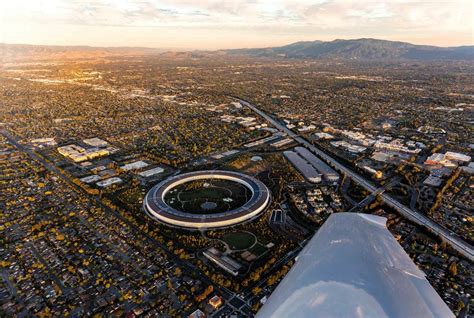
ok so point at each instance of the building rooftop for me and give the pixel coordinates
(134, 165)
(96, 142)
(307, 170)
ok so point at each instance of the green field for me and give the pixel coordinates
(239, 240)
(208, 196)
(258, 250)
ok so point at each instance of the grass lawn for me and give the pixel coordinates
(258, 250)
(196, 196)
(239, 240)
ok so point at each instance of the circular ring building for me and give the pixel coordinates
(157, 207)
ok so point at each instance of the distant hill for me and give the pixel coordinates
(361, 49)
(27, 52)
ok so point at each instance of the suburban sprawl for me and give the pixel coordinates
(94, 150)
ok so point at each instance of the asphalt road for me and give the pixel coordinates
(451, 238)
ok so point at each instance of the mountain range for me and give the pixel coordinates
(357, 49)
(360, 49)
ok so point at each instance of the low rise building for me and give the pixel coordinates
(134, 165)
(44, 142)
(323, 135)
(281, 143)
(151, 172)
(90, 179)
(198, 313)
(349, 147)
(80, 154)
(215, 302)
(329, 173)
(263, 140)
(96, 142)
(396, 145)
(225, 262)
(225, 154)
(306, 169)
(449, 159)
(108, 182)
(432, 181)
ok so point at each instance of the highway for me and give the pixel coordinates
(455, 241)
(368, 199)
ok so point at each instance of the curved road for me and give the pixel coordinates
(454, 240)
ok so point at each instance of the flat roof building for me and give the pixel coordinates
(433, 181)
(108, 182)
(215, 302)
(449, 159)
(151, 172)
(306, 169)
(283, 142)
(95, 142)
(90, 179)
(329, 173)
(456, 156)
(198, 313)
(134, 165)
(224, 262)
(323, 135)
(80, 154)
(434, 159)
(263, 140)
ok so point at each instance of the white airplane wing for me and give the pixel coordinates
(354, 267)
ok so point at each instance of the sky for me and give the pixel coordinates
(213, 24)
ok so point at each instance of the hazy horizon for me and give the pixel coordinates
(184, 49)
(210, 24)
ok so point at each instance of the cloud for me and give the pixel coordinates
(235, 13)
(306, 18)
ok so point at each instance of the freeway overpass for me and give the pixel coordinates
(454, 240)
(368, 199)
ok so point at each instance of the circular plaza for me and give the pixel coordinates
(207, 199)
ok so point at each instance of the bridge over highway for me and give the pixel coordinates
(371, 197)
